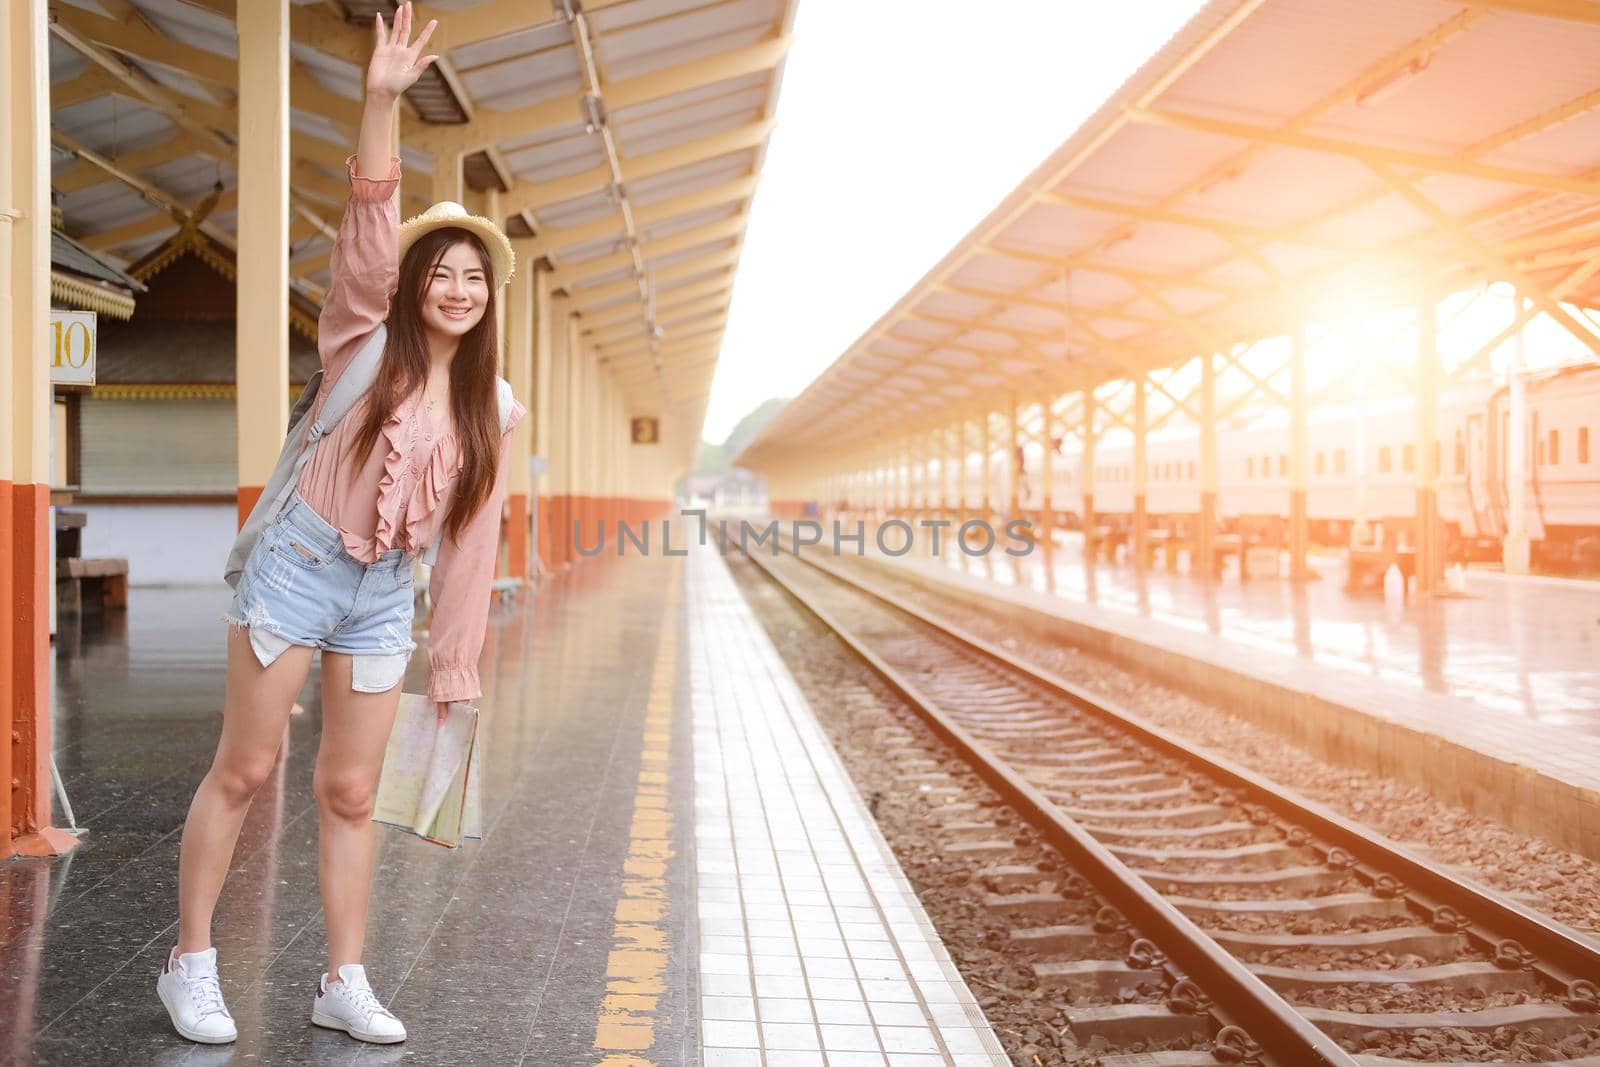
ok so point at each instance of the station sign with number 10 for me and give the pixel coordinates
(72, 347)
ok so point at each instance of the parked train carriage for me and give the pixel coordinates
(1563, 493)
(1362, 463)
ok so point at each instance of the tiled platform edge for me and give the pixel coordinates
(814, 948)
(1539, 780)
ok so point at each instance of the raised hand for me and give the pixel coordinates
(397, 61)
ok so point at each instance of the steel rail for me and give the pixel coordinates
(1565, 954)
(1238, 996)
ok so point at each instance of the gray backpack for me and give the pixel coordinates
(302, 440)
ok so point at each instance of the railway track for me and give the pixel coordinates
(1258, 926)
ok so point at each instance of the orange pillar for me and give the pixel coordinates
(25, 420)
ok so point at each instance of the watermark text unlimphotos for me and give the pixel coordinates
(894, 537)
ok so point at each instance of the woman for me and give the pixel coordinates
(422, 456)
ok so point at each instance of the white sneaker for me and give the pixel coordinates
(350, 1005)
(188, 986)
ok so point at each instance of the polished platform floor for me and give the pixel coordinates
(675, 868)
(1529, 646)
(1512, 667)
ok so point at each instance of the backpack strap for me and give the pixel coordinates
(352, 385)
(507, 401)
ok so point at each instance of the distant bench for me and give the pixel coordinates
(95, 584)
(1365, 566)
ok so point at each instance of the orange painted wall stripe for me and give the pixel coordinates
(248, 495)
(517, 535)
(8, 558)
(30, 659)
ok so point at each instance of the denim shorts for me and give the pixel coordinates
(300, 587)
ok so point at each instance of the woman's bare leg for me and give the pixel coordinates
(255, 708)
(355, 731)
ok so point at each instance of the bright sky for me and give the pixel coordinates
(901, 123)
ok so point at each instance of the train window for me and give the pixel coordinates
(1385, 460)
(1583, 444)
(1555, 447)
(1191, 470)
(1338, 461)
(1322, 462)
(1249, 466)
(1408, 458)
(1461, 455)
(1283, 465)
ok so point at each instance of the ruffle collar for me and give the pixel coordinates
(421, 491)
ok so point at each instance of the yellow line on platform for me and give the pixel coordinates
(640, 944)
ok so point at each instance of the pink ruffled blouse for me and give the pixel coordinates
(400, 496)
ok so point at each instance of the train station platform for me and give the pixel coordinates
(675, 870)
(1490, 699)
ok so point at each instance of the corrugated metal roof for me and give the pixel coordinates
(1271, 145)
(688, 89)
(67, 254)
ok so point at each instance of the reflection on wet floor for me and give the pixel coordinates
(1529, 646)
(519, 925)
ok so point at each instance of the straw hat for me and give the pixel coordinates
(447, 214)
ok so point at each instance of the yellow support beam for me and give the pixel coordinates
(493, 127)
(551, 242)
(600, 295)
(1584, 11)
(721, 230)
(262, 345)
(1369, 153)
(531, 196)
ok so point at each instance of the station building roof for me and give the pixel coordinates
(1273, 157)
(623, 138)
(81, 279)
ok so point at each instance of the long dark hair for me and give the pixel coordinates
(474, 404)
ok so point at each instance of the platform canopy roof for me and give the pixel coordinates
(622, 138)
(1274, 157)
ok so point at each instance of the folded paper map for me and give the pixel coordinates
(430, 775)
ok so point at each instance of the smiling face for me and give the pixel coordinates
(456, 293)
